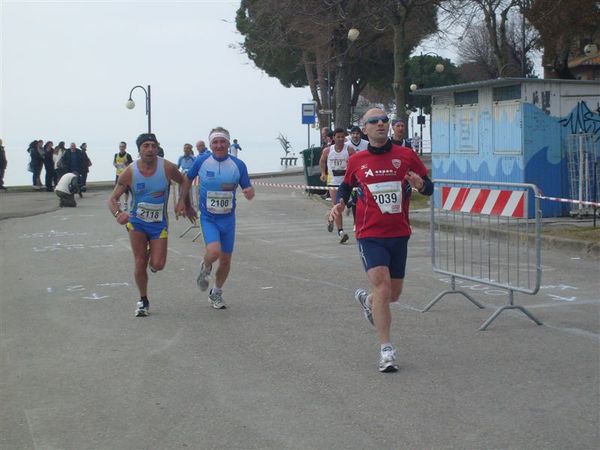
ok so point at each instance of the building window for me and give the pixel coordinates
(466, 98)
(507, 93)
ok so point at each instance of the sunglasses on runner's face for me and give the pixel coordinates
(374, 120)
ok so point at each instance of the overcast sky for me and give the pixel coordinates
(67, 68)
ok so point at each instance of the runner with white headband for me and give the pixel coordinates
(220, 174)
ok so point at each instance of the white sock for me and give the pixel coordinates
(368, 302)
(387, 346)
(216, 290)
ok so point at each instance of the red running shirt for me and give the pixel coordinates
(382, 207)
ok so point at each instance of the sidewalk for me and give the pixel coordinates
(21, 202)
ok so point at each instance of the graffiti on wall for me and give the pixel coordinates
(544, 102)
(583, 120)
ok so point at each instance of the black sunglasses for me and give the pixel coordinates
(374, 120)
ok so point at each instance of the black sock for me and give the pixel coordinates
(144, 300)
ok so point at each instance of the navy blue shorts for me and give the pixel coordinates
(388, 252)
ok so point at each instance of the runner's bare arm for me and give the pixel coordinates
(323, 164)
(183, 207)
(123, 184)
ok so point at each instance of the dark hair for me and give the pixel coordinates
(124, 143)
(61, 144)
(330, 134)
(339, 130)
(82, 144)
(355, 129)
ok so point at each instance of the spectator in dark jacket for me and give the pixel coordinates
(49, 165)
(85, 168)
(72, 161)
(36, 153)
(3, 164)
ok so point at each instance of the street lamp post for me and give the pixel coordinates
(439, 68)
(130, 104)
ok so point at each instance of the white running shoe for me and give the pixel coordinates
(387, 360)
(361, 297)
(216, 300)
(143, 308)
(203, 276)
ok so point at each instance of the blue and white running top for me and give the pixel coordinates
(185, 162)
(149, 196)
(219, 178)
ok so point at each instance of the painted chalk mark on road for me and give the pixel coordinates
(93, 295)
(498, 292)
(68, 247)
(563, 299)
(475, 287)
(560, 287)
(51, 234)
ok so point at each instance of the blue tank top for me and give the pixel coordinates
(149, 194)
(218, 181)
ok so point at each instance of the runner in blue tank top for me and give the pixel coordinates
(220, 174)
(148, 179)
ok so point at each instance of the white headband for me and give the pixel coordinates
(217, 134)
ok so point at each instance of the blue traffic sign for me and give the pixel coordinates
(309, 113)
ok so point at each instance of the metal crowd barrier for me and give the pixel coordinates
(487, 233)
(194, 200)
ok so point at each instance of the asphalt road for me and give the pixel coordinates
(291, 363)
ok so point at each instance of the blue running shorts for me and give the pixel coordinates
(388, 252)
(152, 230)
(219, 229)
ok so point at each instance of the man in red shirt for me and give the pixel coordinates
(384, 176)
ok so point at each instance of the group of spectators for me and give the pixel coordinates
(57, 161)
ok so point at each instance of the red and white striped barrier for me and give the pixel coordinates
(289, 186)
(568, 200)
(493, 202)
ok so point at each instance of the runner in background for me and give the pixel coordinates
(121, 160)
(333, 168)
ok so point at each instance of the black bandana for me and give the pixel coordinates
(144, 137)
(380, 150)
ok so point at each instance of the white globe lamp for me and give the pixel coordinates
(353, 34)
(439, 68)
(130, 104)
(591, 50)
(413, 87)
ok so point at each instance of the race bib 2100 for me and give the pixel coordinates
(219, 202)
